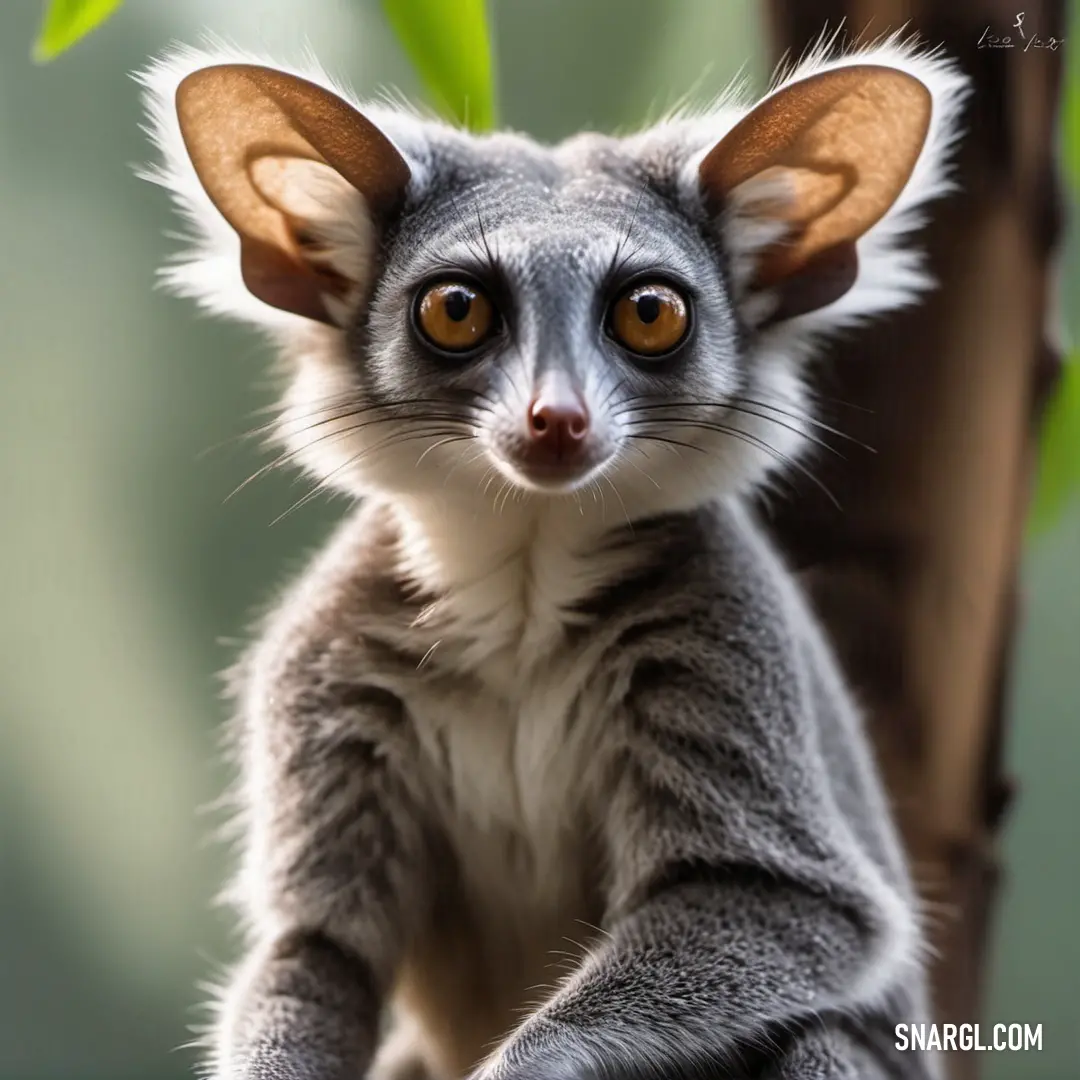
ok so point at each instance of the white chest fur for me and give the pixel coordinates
(513, 742)
(516, 770)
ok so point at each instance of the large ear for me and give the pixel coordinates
(813, 167)
(275, 153)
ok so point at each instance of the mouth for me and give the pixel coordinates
(549, 476)
(554, 479)
(556, 449)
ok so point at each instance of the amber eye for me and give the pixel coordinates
(650, 319)
(455, 316)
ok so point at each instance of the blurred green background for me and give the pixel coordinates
(126, 578)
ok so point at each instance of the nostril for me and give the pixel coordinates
(569, 421)
(558, 426)
(578, 425)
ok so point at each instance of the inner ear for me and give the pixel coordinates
(822, 160)
(286, 162)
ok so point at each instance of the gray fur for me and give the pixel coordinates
(569, 784)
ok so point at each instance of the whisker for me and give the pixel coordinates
(319, 406)
(263, 429)
(619, 457)
(672, 446)
(760, 416)
(398, 438)
(735, 405)
(498, 495)
(466, 461)
(404, 417)
(808, 419)
(442, 442)
(508, 491)
(617, 264)
(469, 237)
(614, 389)
(350, 404)
(493, 263)
(777, 455)
(615, 490)
(293, 453)
(670, 442)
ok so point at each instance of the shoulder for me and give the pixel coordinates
(714, 599)
(713, 561)
(323, 623)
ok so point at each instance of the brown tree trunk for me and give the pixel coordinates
(916, 575)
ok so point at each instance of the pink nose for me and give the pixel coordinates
(558, 425)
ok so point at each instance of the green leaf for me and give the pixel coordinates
(68, 20)
(1070, 110)
(1059, 458)
(449, 43)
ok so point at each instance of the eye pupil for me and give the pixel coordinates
(454, 316)
(648, 308)
(457, 304)
(649, 320)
